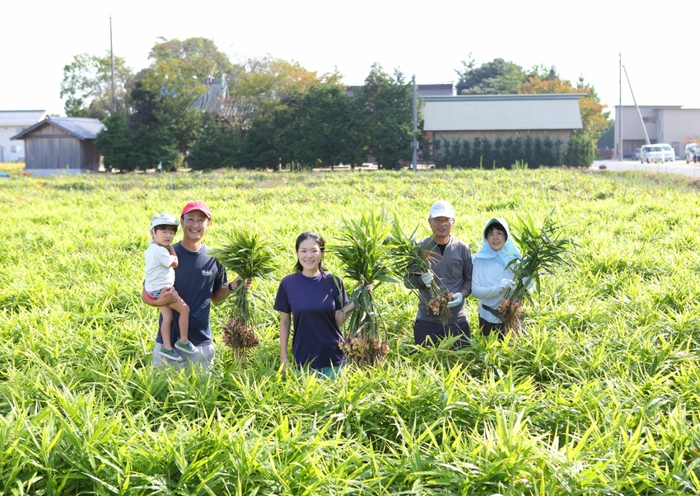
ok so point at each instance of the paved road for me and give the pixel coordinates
(677, 167)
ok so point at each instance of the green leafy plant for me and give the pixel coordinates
(248, 256)
(410, 259)
(364, 253)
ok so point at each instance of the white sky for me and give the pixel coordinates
(428, 39)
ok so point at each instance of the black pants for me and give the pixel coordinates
(424, 332)
(488, 327)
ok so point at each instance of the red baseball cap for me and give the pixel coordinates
(197, 205)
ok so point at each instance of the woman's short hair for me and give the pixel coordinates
(321, 244)
(493, 227)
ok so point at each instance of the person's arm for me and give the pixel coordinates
(222, 293)
(482, 289)
(173, 260)
(342, 315)
(285, 326)
(485, 292)
(467, 269)
(167, 296)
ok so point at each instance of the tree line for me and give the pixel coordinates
(481, 153)
(193, 104)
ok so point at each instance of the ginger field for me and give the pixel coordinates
(601, 395)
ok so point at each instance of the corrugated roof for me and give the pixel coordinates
(81, 127)
(16, 118)
(502, 112)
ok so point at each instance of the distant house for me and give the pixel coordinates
(61, 144)
(466, 117)
(670, 124)
(216, 99)
(11, 123)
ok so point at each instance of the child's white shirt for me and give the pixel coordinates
(159, 273)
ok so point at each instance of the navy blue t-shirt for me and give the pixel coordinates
(197, 276)
(313, 301)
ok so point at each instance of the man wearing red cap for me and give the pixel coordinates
(199, 280)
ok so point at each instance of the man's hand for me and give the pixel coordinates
(237, 282)
(457, 299)
(427, 278)
(167, 297)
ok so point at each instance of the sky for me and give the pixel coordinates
(429, 40)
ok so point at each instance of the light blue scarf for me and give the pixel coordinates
(506, 254)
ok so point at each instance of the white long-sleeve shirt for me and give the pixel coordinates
(486, 276)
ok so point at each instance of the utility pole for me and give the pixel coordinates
(619, 117)
(414, 163)
(111, 51)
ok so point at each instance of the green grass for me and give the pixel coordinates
(11, 166)
(601, 396)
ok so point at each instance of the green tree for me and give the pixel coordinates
(87, 86)
(594, 119)
(114, 143)
(263, 83)
(260, 146)
(496, 77)
(152, 146)
(323, 128)
(607, 139)
(164, 93)
(580, 151)
(387, 120)
(217, 145)
(183, 67)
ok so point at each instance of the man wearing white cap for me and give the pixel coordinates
(451, 268)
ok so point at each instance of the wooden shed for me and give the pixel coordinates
(61, 145)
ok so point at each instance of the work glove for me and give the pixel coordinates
(505, 285)
(427, 278)
(457, 300)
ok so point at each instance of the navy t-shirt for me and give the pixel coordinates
(197, 276)
(313, 301)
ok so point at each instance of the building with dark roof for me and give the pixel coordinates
(61, 145)
(11, 123)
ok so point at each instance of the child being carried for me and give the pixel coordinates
(161, 261)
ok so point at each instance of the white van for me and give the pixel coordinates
(660, 152)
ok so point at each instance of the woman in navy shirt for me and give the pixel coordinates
(317, 303)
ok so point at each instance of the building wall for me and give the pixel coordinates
(563, 135)
(11, 150)
(671, 124)
(51, 148)
(675, 127)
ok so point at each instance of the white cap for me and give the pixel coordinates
(441, 208)
(163, 220)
